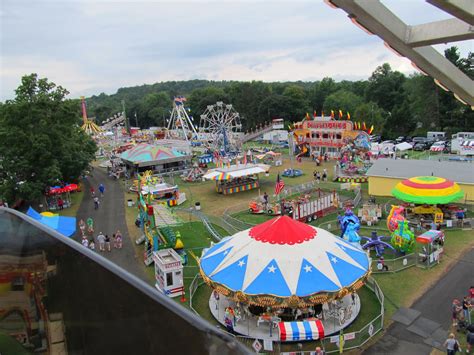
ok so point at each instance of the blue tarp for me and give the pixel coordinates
(64, 225)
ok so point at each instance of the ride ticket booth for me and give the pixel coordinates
(168, 272)
(429, 248)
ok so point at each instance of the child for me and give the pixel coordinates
(91, 244)
(85, 242)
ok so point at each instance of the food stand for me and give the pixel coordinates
(236, 178)
(429, 248)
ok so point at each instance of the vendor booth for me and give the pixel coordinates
(429, 248)
(236, 178)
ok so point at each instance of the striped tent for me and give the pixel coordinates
(304, 330)
(430, 190)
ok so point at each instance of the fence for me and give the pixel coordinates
(330, 344)
(394, 265)
(357, 339)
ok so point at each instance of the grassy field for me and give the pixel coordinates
(213, 203)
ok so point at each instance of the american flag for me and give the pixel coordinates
(280, 184)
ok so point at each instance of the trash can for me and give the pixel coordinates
(198, 206)
(130, 203)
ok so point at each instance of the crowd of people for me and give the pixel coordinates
(461, 323)
(102, 242)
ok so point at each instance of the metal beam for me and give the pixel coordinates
(437, 32)
(462, 9)
(378, 19)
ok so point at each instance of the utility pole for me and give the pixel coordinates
(127, 124)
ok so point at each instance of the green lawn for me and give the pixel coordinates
(76, 199)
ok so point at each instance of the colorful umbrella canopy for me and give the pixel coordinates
(284, 258)
(62, 189)
(430, 190)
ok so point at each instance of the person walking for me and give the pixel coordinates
(466, 304)
(85, 242)
(60, 204)
(101, 240)
(265, 200)
(91, 244)
(118, 239)
(96, 203)
(452, 345)
(101, 190)
(92, 190)
(455, 308)
(318, 177)
(82, 226)
(325, 175)
(107, 242)
(90, 225)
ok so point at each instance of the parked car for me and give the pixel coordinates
(402, 139)
(388, 142)
(438, 146)
(421, 145)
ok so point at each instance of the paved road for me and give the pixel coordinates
(434, 305)
(108, 218)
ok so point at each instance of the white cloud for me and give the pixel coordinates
(101, 45)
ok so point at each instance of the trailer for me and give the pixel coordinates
(313, 209)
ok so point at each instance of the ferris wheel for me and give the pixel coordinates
(221, 123)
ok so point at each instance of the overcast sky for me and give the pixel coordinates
(98, 46)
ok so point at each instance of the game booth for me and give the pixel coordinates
(429, 247)
(284, 280)
(236, 178)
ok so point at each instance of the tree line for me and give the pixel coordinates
(394, 103)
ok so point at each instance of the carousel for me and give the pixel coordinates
(428, 198)
(284, 280)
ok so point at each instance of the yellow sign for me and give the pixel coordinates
(438, 218)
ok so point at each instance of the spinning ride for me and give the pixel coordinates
(427, 192)
(220, 123)
(284, 266)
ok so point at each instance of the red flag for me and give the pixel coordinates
(314, 114)
(340, 114)
(307, 116)
(280, 184)
(332, 114)
(348, 116)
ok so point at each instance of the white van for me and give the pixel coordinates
(458, 138)
(436, 136)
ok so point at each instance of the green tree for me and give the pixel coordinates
(343, 100)
(320, 91)
(297, 99)
(385, 87)
(371, 114)
(41, 142)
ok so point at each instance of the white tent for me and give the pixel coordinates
(403, 146)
